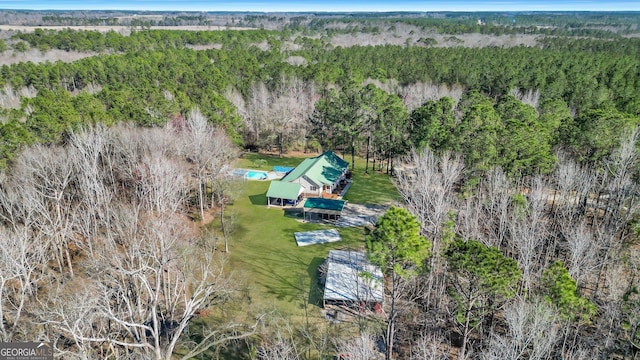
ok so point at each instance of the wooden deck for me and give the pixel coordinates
(337, 193)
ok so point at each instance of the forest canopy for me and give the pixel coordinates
(152, 76)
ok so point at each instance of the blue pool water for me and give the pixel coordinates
(250, 174)
(256, 175)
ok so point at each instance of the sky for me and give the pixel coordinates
(325, 6)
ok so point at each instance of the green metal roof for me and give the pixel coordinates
(324, 204)
(284, 190)
(324, 169)
(300, 170)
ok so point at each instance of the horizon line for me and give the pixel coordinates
(328, 11)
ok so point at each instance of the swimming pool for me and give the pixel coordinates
(256, 175)
(251, 174)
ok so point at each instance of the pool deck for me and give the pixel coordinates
(272, 175)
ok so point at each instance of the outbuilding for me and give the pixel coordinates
(351, 280)
(325, 209)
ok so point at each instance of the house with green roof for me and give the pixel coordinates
(319, 174)
(312, 178)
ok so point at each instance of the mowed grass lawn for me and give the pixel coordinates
(280, 275)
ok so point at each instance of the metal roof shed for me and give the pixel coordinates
(351, 278)
(323, 207)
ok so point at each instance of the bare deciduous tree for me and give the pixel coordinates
(105, 208)
(428, 347)
(162, 185)
(278, 115)
(22, 263)
(427, 183)
(45, 175)
(197, 141)
(498, 196)
(290, 106)
(362, 347)
(469, 220)
(225, 191)
(279, 342)
(531, 332)
(414, 95)
(257, 106)
(583, 252)
(148, 286)
(528, 232)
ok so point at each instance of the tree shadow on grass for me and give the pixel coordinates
(258, 199)
(285, 286)
(315, 289)
(289, 287)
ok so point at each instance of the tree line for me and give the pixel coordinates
(582, 88)
(81, 40)
(558, 24)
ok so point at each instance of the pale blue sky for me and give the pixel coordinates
(333, 5)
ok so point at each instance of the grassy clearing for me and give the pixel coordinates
(372, 188)
(280, 275)
(249, 160)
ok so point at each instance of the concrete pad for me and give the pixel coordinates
(317, 237)
(360, 215)
(356, 220)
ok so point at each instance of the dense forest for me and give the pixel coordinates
(152, 77)
(518, 167)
